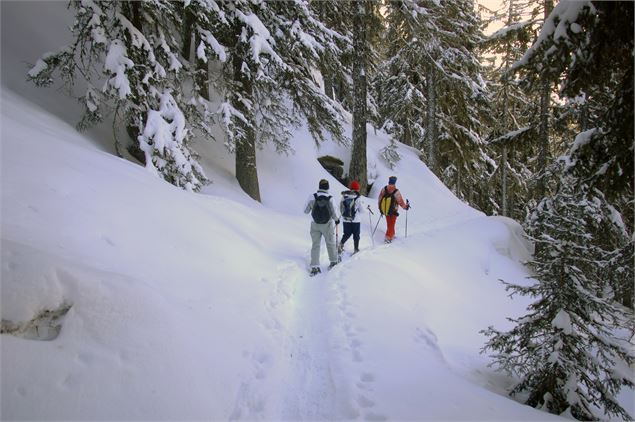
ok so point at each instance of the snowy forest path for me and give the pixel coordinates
(323, 352)
(309, 393)
(298, 376)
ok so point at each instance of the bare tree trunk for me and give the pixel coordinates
(246, 170)
(358, 167)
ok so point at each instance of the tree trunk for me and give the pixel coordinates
(543, 136)
(246, 171)
(202, 73)
(328, 81)
(358, 167)
(186, 33)
(511, 194)
(506, 113)
(132, 11)
(544, 122)
(504, 182)
(584, 116)
(407, 134)
(431, 129)
(458, 182)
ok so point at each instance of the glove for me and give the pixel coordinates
(337, 222)
(408, 207)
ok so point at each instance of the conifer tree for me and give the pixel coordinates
(272, 50)
(564, 350)
(335, 65)
(513, 134)
(585, 45)
(131, 45)
(432, 49)
(401, 78)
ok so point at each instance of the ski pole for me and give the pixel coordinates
(337, 243)
(378, 220)
(407, 208)
(370, 224)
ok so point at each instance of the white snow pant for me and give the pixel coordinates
(328, 231)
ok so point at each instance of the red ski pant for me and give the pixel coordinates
(390, 226)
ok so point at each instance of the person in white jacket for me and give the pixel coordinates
(325, 218)
(351, 208)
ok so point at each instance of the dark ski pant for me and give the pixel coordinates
(351, 229)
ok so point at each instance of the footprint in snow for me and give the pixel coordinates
(375, 417)
(367, 377)
(365, 402)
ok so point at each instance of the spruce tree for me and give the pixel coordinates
(458, 101)
(132, 46)
(585, 46)
(513, 133)
(564, 351)
(432, 92)
(272, 49)
(335, 64)
(400, 79)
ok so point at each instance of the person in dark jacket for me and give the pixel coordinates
(350, 209)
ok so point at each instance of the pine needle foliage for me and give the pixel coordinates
(565, 350)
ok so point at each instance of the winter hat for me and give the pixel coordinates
(392, 180)
(355, 185)
(324, 184)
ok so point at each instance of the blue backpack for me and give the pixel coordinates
(349, 210)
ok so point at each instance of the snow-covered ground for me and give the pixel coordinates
(199, 306)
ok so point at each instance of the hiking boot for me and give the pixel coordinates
(332, 264)
(387, 240)
(315, 271)
(340, 248)
(355, 251)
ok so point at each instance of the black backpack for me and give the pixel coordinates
(321, 213)
(349, 210)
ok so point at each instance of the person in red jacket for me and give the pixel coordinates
(390, 207)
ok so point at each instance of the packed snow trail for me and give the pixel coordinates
(305, 383)
(310, 391)
(314, 367)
